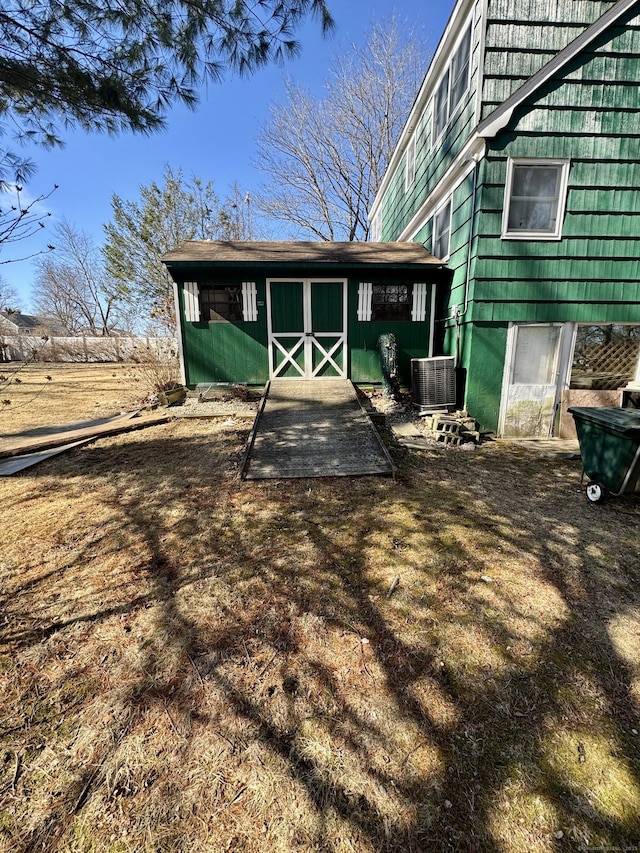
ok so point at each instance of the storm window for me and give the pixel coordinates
(535, 196)
(453, 85)
(442, 232)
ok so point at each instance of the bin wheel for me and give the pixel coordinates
(596, 492)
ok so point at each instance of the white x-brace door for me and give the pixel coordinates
(307, 328)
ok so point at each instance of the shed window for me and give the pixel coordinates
(535, 196)
(391, 302)
(219, 302)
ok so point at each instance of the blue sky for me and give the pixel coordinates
(217, 142)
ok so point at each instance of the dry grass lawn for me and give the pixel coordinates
(193, 663)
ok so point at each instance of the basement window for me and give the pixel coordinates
(535, 198)
(220, 303)
(391, 302)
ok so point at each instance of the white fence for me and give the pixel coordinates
(83, 349)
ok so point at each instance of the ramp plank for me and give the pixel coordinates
(314, 428)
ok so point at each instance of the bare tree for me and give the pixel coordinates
(8, 296)
(73, 288)
(234, 217)
(19, 220)
(325, 157)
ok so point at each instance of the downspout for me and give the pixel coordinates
(456, 314)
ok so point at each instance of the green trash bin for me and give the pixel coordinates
(610, 450)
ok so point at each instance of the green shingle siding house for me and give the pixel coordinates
(519, 166)
(252, 311)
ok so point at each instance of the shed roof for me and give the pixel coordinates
(301, 253)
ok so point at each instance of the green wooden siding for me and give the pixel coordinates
(412, 339)
(327, 306)
(483, 353)
(225, 351)
(287, 306)
(593, 272)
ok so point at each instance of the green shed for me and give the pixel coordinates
(252, 311)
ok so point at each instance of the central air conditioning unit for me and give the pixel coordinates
(433, 384)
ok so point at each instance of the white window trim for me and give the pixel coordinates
(556, 234)
(410, 164)
(448, 69)
(375, 228)
(449, 203)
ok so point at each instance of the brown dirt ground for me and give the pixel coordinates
(189, 662)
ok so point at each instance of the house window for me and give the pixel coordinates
(535, 198)
(454, 84)
(410, 168)
(441, 106)
(219, 302)
(423, 129)
(391, 302)
(442, 232)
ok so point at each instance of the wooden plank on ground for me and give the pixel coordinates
(123, 423)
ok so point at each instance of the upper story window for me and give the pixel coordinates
(442, 232)
(454, 83)
(410, 166)
(422, 133)
(535, 199)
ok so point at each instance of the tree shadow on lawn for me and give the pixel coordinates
(485, 705)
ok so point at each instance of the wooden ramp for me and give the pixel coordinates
(313, 428)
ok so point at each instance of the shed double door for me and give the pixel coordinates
(307, 326)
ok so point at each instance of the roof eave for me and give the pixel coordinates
(497, 120)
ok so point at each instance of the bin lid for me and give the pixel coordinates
(624, 421)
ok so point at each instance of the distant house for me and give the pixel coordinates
(16, 323)
(253, 311)
(518, 166)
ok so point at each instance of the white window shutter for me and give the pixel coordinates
(191, 303)
(419, 309)
(365, 290)
(249, 302)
